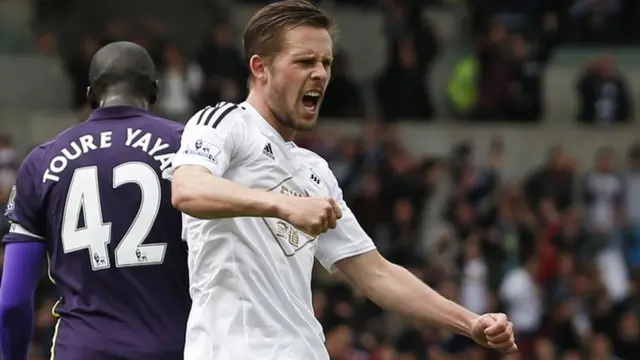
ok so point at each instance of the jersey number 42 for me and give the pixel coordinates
(83, 197)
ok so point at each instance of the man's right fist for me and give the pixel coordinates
(312, 215)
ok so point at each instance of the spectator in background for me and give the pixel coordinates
(181, 82)
(222, 65)
(554, 179)
(156, 40)
(523, 301)
(47, 13)
(627, 339)
(8, 164)
(596, 21)
(342, 96)
(545, 349)
(77, 66)
(475, 185)
(519, 16)
(401, 89)
(413, 45)
(603, 195)
(4, 223)
(366, 205)
(513, 230)
(571, 236)
(346, 164)
(8, 173)
(441, 249)
(339, 343)
(372, 143)
(474, 284)
(44, 331)
(603, 94)
(46, 44)
(116, 30)
(600, 348)
(403, 237)
(494, 60)
(528, 64)
(7, 152)
(632, 206)
(404, 20)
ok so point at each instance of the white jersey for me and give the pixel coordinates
(251, 277)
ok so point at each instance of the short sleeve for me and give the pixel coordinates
(347, 239)
(24, 208)
(210, 139)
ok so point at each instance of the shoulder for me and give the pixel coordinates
(167, 124)
(319, 166)
(313, 159)
(39, 154)
(35, 161)
(167, 130)
(220, 115)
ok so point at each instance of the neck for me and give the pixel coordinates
(261, 106)
(112, 98)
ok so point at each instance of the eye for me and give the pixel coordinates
(306, 62)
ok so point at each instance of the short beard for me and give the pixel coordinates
(287, 120)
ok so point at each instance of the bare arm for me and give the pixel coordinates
(199, 193)
(396, 289)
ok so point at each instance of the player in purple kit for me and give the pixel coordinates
(93, 201)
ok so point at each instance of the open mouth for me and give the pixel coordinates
(310, 100)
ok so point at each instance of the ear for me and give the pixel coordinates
(153, 95)
(258, 67)
(91, 98)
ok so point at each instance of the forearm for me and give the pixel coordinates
(22, 269)
(205, 196)
(397, 290)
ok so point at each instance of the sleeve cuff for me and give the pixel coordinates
(330, 264)
(17, 233)
(177, 162)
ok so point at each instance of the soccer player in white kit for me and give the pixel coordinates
(259, 210)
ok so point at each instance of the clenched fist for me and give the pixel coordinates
(494, 331)
(312, 215)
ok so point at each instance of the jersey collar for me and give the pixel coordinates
(264, 125)
(117, 112)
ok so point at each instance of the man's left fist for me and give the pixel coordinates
(494, 331)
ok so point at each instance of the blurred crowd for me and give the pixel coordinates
(216, 70)
(558, 250)
(499, 77)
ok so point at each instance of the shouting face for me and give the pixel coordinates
(295, 79)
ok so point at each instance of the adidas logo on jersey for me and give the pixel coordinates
(268, 152)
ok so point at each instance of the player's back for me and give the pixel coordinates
(113, 237)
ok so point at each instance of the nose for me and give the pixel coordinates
(320, 73)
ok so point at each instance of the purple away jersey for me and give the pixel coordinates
(95, 196)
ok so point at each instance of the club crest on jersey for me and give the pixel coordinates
(289, 239)
(316, 179)
(204, 149)
(11, 202)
